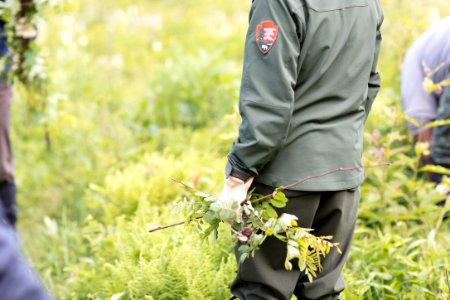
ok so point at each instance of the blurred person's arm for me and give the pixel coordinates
(17, 281)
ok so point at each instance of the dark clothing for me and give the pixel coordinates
(330, 213)
(308, 84)
(8, 200)
(3, 37)
(17, 281)
(6, 159)
(440, 140)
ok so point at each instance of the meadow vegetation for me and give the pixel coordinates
(145, 91)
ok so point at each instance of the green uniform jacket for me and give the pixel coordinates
(308, 84)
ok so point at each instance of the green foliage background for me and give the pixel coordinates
(145, 91)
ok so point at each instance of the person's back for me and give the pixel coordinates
(317, 82)
(308, 84)
(336, 58)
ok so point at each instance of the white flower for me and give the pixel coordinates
(287, 220)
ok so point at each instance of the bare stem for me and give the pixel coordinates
(190, 188)
(159, 228)
(318, 176)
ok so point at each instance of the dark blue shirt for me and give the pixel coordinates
(3, 38)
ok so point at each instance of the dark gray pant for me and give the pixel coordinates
(328, 213)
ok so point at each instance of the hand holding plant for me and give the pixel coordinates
(253, 222)
(255, 219)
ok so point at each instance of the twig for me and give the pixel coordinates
(158, 228)
(318, 176)
(183, 184)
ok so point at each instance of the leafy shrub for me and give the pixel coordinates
(191, 91)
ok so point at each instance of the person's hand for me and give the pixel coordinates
(234, 190)
(424, 137)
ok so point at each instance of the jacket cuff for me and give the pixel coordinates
(236, 172)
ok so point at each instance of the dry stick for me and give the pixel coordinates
(171, 225)
(183, 184)
(158, 228)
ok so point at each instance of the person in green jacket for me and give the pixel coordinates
(308, 84)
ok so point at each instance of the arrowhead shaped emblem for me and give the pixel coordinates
(266, 35)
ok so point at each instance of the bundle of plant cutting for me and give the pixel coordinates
(257, 219)
(253, 222)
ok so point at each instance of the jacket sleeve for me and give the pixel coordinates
(374, 80)
(267, 88)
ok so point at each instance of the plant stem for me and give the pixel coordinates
(320, 175)
(162, 227)
(442, 215)
(190, 188)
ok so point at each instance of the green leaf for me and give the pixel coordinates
(435, 169)
(202, 195)
(227, 215)
(410, 120)
(209, 230)
(437, 123)
(288, 265)
(244, 249)
(117, 296)
(215, 207)
(210, 217)
(215, 234)
(279, 200)
(269, 212)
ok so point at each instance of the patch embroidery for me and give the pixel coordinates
(266, 35)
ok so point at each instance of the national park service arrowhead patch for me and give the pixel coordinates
(266, 35)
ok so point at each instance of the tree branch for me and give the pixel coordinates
(318, 176)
